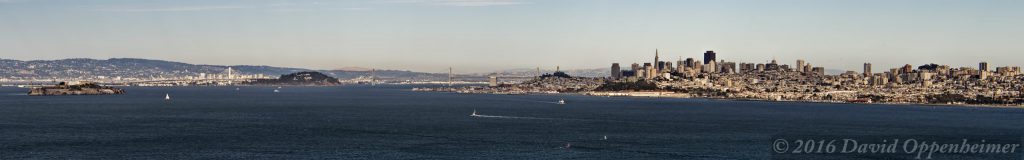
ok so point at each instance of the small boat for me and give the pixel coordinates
(275, 91)
(605, 138)
(238, 89)
(561, 101)
(568, 145)
(474, 114)
(167, 97)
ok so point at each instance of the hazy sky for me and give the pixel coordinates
(487, 35)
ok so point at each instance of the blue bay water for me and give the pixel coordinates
(392, 122)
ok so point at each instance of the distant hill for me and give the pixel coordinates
(145, 68)
(124, 67)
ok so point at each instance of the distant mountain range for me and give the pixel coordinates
(145, 68)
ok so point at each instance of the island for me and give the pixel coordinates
(77, 88)
(307, 78)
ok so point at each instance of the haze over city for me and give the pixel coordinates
(488, 35)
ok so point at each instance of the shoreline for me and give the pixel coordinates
(763, 100)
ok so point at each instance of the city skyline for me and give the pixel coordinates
(490, 35)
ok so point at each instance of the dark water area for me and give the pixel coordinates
(392, 122)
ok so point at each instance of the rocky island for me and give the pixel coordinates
(79, 88)
(308, 78)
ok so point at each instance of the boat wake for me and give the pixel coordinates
(511, 117)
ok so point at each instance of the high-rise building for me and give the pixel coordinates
(493, 81)
(906, 69)
(690, 63)
(681, 65)
(983, 66)
(668, 67)
(657, 65)
(616, 71)
(808, 67)
(660, 67)
(867, 69)
(799, 65)
(772, 66)
(709, 57)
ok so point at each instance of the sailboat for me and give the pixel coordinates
(605, 138)
(275, 91)
(474, 114)
(561, 101)
(167, 97)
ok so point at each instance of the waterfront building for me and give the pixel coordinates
(493, 82)
(616, 71)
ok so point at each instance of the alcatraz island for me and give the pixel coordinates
(713, 78)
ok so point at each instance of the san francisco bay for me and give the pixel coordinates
(392, 122)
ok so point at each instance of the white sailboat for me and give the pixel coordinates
(474, 114)
(561, 101)
(167, 97)
(605, 138)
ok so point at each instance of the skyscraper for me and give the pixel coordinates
(709, 57)
(983, 66)
(680, 65)
(616, 71)
(799, 65)
(867, 69)
(656, 60)
(690, 63)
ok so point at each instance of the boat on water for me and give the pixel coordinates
(561, 101)
(167, 97)
(474, 114)
(275, 91)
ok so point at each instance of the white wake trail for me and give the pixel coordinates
(510, 117)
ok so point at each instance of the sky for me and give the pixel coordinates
(490, 35)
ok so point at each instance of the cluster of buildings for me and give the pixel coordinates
(659, 69)
(184, 77)
(930, 83)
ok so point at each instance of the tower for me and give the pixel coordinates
(709, 57)
(656, 60)
(616, 71)
(450, 77)
(799, 65)
(983, 66)
(867, 69)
